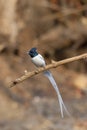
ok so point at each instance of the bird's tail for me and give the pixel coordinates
(61, 103)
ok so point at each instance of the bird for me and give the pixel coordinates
(38, 60)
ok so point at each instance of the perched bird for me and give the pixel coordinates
(39, 61)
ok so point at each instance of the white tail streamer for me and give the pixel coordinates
(61, 103)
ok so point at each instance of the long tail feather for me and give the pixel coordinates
(61, 103)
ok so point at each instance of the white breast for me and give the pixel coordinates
(38, 61)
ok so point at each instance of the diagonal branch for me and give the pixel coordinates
(54, 64)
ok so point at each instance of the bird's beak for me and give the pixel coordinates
(27, 52)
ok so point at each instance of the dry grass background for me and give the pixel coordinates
(58, 28)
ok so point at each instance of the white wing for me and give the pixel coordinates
(41, 57)
(38, 61)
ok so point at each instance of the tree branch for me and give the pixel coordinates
(54, 64)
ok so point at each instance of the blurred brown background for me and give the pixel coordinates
(58, 28)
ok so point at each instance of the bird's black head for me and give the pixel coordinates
(33, 52)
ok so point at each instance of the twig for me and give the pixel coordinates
(54, 64)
